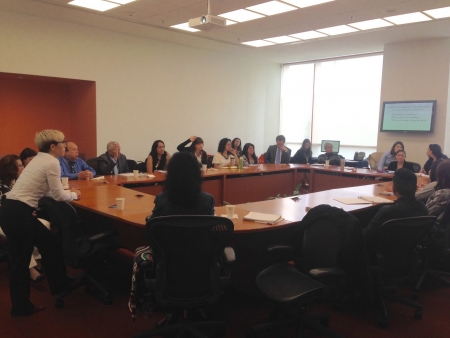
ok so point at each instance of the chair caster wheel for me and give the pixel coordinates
(415, 296)
(59, 303)
(418, 314)
(108, 300)
(383, 323)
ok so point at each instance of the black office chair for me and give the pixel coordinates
(416, 167)
(132, 165)
(434, 250)
(92, 162)
(189, 268)
(397, 259)
(209, 161)
(79, 251)
(142, 167)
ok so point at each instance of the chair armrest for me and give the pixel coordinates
(228, 256)
(326, 272)
(102, 236)
(279, 253)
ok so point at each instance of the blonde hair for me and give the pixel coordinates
(46, 138)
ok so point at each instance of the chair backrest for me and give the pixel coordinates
(416, 166)
(142, 167)
(261, 159)
(132, 165)
(187, 251)
(92, 162)
(397, 240)
(374, 158)
(209, 161)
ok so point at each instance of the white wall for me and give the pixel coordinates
(418, 70)
(147, 89)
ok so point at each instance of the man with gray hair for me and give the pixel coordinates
(112, 162)
(333, 157)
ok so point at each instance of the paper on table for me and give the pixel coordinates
(363, 200)
(151, 176)
(98, 178)
(260, 217)
(126, 174)
(161, 171)
(234, 216)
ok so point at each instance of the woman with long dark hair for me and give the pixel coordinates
(196, 148)
(236, 145)
(389, 156)
(248, 154)
(435, 156)
(400, 162)
(225, 155)
(158, 159)
(304, 154)
(439, 201)
(183, 193)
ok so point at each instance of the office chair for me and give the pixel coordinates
(435, 249)
(142, 167)
(132, 165)
(79, 251)
(416, 167)
(209, 161)
(92, 162)
(190, 265)
(397, 259)
(261, 159)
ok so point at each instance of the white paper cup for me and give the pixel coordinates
(65, 182)
(135, 173)
(120, 202)
(230, 211)
(204, 168)
(327, 163)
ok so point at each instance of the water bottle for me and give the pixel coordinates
(241, 163)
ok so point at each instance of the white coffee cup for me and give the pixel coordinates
(135, 173)
(120, 202)
(204, 168)
(327, 163)
(230, 211)
(65, 182)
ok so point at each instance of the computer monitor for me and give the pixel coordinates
(336, 145)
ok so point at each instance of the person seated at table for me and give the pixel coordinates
(248, 154)
(404, 187)
(435, 156)
(225, 156)
(10, 169)
(183, 193)
(196, 148)
(278, 153)
(236, 145)
(27, 155)
(400, 162)
(389, 156)
(334, 158)
(304, 154)
(424, 192)
(439, 201)
(42, 176)
(158, 159)
(113, 162)
(74, 167)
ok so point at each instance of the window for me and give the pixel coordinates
(332, 100)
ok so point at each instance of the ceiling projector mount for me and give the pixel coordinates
(208, 21)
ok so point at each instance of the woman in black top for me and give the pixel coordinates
(158, 159)
(196, 148)
(236, 145)
(248, 154)
(400, 163)
(435, 156)
(304, 154)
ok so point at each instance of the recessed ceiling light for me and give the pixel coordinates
(185, 27)
(122, 2)
(258, 43)
(98, 5)
(308, 35)
(282, 39)
(439, 13)
(306, 3)
(407, 18)
(370, 24)
(336, 30)
(241, 15)
(271, 8)
(229, 22)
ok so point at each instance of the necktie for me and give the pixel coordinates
(72, 167)
(278, 156)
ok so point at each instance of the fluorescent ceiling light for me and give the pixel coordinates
(336, 30)
(271, 8)
(98, 5)
(439, 13)
(258, 43)
(308, 35)
(370, 24)
(122, 2)
(229, 22)
(407, 18)
(241, 15)
(306, 3)
(282, 39)
(185, 27)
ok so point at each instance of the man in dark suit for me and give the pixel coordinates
(278, 153)
(112, 162)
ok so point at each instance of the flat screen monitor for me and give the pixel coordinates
(336, 145)
(408, 116)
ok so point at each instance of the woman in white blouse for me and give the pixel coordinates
(42, 176)
(225, 156)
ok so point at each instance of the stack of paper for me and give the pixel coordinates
(364, 200)
(263, 218)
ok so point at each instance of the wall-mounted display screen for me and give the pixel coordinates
(408, 116)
